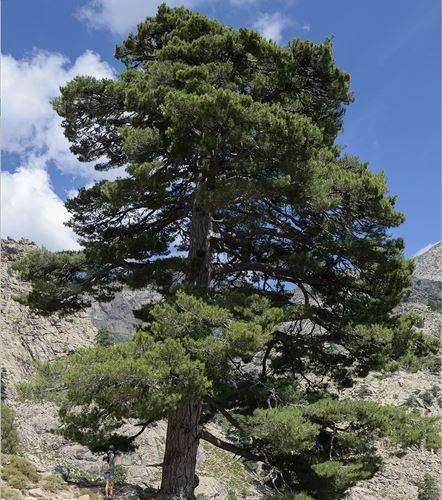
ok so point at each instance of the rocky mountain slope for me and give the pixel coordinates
(401, 475)
(26, 337)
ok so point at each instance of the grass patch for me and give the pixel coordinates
(92, 494)
(19, 473)
(11, 494)
(427, 488)
(53, 483)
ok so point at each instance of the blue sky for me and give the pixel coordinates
(390, 48)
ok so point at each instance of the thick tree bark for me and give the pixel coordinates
(199, 249)
(178, 479)
(182, 439)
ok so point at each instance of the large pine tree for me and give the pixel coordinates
(272, 251)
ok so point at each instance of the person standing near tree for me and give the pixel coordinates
(111, 462)
(108, 468)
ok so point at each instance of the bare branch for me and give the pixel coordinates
(223, 411)
(224, 445)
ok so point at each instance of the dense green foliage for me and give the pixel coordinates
(312, 438)
(235, 198)
(10, 440)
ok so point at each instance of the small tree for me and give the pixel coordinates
(228, 144)
(103, 338)
(10, 439)
(4, 384)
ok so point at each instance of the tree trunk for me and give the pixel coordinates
(199, 249)
(179, 479)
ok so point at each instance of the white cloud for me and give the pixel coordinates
(32, 131)
(120, 16)
(31, 209)
(29, 124)
(425, 249)
(271, 26)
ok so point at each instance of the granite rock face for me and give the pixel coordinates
(26, 336)
(425, 295)
(428, 265)
(117, 316)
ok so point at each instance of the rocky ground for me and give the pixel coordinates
(26, 337)
(401, 473)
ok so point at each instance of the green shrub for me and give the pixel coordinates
(3, 384)
(10, 494)
(435, 390)
(341, 475)
(434, 304)
(120, 476)
(18, 472)
(10, 439)
(103, 338)
(53, 483)
(19, 481)
(427, 488)
(432, 363)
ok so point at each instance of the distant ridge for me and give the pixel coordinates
(428, 264)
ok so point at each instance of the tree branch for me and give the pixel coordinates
(224, 445)
(143, 428)
(270, 346)
(223, 411)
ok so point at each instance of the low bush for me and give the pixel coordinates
(10, 494)
(53, 483)
(19, 481)
(9, 435)
(18, 472)
(120, 476)
(427, 488)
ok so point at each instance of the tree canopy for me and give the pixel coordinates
(272, 250)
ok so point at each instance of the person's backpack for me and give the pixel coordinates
(105, 467)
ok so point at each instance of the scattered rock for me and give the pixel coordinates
(37, 493)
